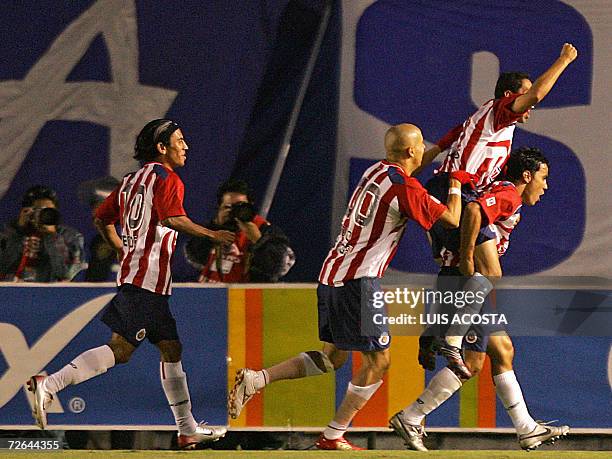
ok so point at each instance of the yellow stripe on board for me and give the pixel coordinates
(290, 327)
(236, 343)
(406, 377)
(468, 403)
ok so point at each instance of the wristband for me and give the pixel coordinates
(454, 190)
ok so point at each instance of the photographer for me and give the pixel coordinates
(103, 264)
(260, 252)
(36, 247)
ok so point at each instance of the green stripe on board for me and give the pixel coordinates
(468, 403)
(290, 327)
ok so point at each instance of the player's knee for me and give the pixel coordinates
(170, 350)
(336, 356)
(380, 362)
(316, 363)
(121, 352)
(474, 362)
(493, 273)
(503, 354)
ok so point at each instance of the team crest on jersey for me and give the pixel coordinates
(491, 201)
(141, 334)
(471, 337)
(384, 339)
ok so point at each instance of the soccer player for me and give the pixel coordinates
(486, 224)
(148, 205)
(480, 146)
(386, 197)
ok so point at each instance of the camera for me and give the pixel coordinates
(243, 211)
(43, 216)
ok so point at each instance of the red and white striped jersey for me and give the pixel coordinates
(375, 221)
(141, 201)
(482, 145)
(500, 206)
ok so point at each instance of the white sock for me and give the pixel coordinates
(90, 363)
(261, 379)
(440, 388)
(355, 399)
(334, 430)
(509, 392)
(174, 382)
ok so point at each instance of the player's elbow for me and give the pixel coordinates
(99, 224)
(172, 222)
(450, 219)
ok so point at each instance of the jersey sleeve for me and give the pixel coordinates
(449, 138)
(108, 211)
(417, 204)
(498, 205)
(168, 196)
(503, 114)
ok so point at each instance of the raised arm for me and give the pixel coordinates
(546, 81)
(444, 143)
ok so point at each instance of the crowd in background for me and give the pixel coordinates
(35, 246)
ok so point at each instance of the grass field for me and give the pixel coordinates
(447, 454)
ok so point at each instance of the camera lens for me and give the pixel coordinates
(49, 216)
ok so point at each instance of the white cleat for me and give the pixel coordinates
(541, 435)
(42, 399)
(412, 435)
(202, 434)
(242, 392)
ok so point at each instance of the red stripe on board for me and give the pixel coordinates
(254, 349)
(486, 397)
(375, 412)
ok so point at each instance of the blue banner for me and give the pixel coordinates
(44, 328)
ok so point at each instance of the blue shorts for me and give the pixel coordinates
(135, 314)
(477, 336)
(344, 323)
(442, 237)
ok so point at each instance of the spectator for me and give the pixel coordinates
(103, 263)
(36, 247)
(260, 252)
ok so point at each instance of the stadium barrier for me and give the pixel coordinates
(224, 328)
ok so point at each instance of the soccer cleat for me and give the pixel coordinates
(203, 433)
(341, 444)
(541, 435)
(42, 399)
(428, 348)
(242, 392)
(455, 360)
(412, 435)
